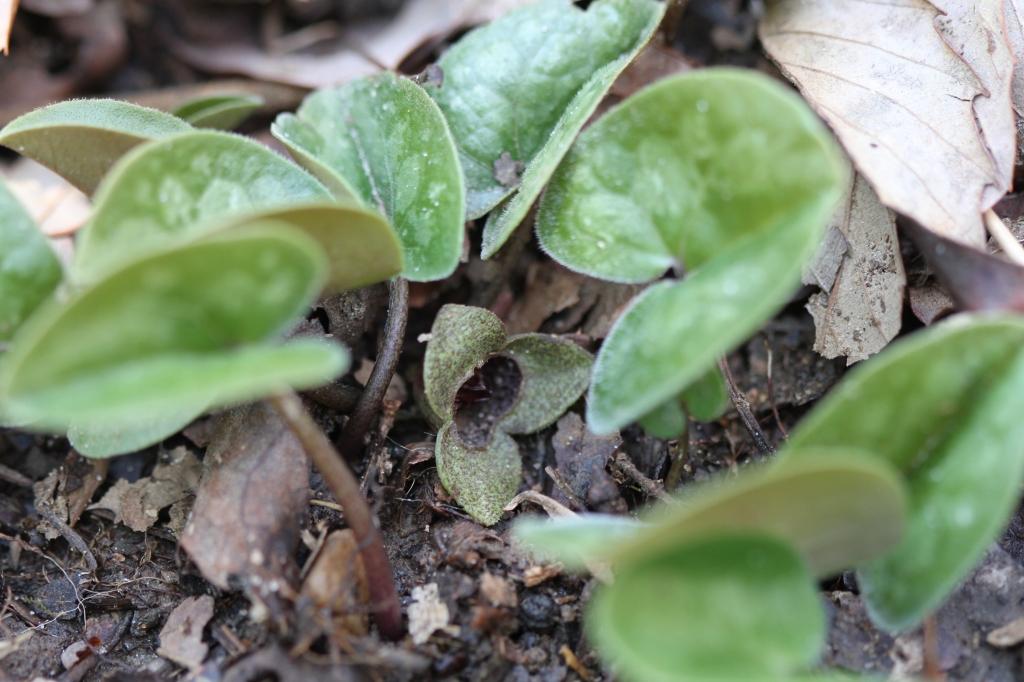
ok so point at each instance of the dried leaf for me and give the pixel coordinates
(550, 288)
(581, 458)
(337, 584)
(427, 613)
(138, 505)
(907, 107)
(862, 310)
(8, 8)
(249, 505)
(498, 591)
(1014, 10)
(181, 639)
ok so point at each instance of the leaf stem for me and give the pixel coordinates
(358, 424)
(742, 406)
(345, 488)
(1007, 242)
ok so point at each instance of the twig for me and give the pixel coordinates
(16, 477)
(563, 485)
(742, 406)
(771, 387)
(1007, 242)
(345, 488)
(932, 668)
(626, 467)
(384, 366)
(68, 533)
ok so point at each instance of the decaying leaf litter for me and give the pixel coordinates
(102, 589)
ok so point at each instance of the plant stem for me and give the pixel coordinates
(1007, 242)
(345, 488)
(742, 406)
(932, 667)
(682, 454)
(384, 366)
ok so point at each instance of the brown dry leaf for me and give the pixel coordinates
(930, 303)
(498, 591)
(337, 584)
(1014, 10)
(181, 639)
(57, 207)
(653, 63)
(550, 288)
(932, 132)
(861, 274)
(251, 500)
(581, 458)
(138, 505)
(8, 8)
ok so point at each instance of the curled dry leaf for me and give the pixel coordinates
(138, 505)
(250, 502)
(861, 274)
(181, 639)
(336, 584)
(930, 127)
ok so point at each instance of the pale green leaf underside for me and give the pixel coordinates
(944, 407)
(707, 399)
(555, 373)
(385, 141)
(482, 480)
(507, 86)
(573, 540)
(461, 340)
(172, 189)
(221, 112)
(667, 420)
(169, 327)
(93, 441)
(29, 270)
(360, 246)
(731, 607)
(837, 511)
(81, 139)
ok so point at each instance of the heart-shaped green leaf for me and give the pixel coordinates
(223, 112)
(93, 441)
(482, 480)
(81, 139)
(360, 245)
(164, 332)
(168, 190)
(384, 140)
(555, 373)
(518, 90)
(722, 171)
(726, 607)
(461, 340)
(944, 408)
(29, 270)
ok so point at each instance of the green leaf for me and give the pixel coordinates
(164, 332)
(555, 373)
(524, 85)
(172, 189)
(732, 607)
(224, 112)
(384, 140)
(482, 480)
(29, 270)
(81, 139)
(667, 420)
(360, 246)
(573, 540)
(461, 340)
(944, 408)
(707, 398)
(93, 441)
(837, 511)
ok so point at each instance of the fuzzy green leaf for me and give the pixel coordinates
(164, 332)
(81, 139)
(732, 607)
(707, 398)
(461, 340)
(29, 270)
(384, 140)
(667, 420)
(482, 480)
(171, 189)
(93, 441)
(574, 540)
(223, 112)
(944, 408)
(360, 245)
(721, 171)
(524, 85)
(555, 373)
(837, 511)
